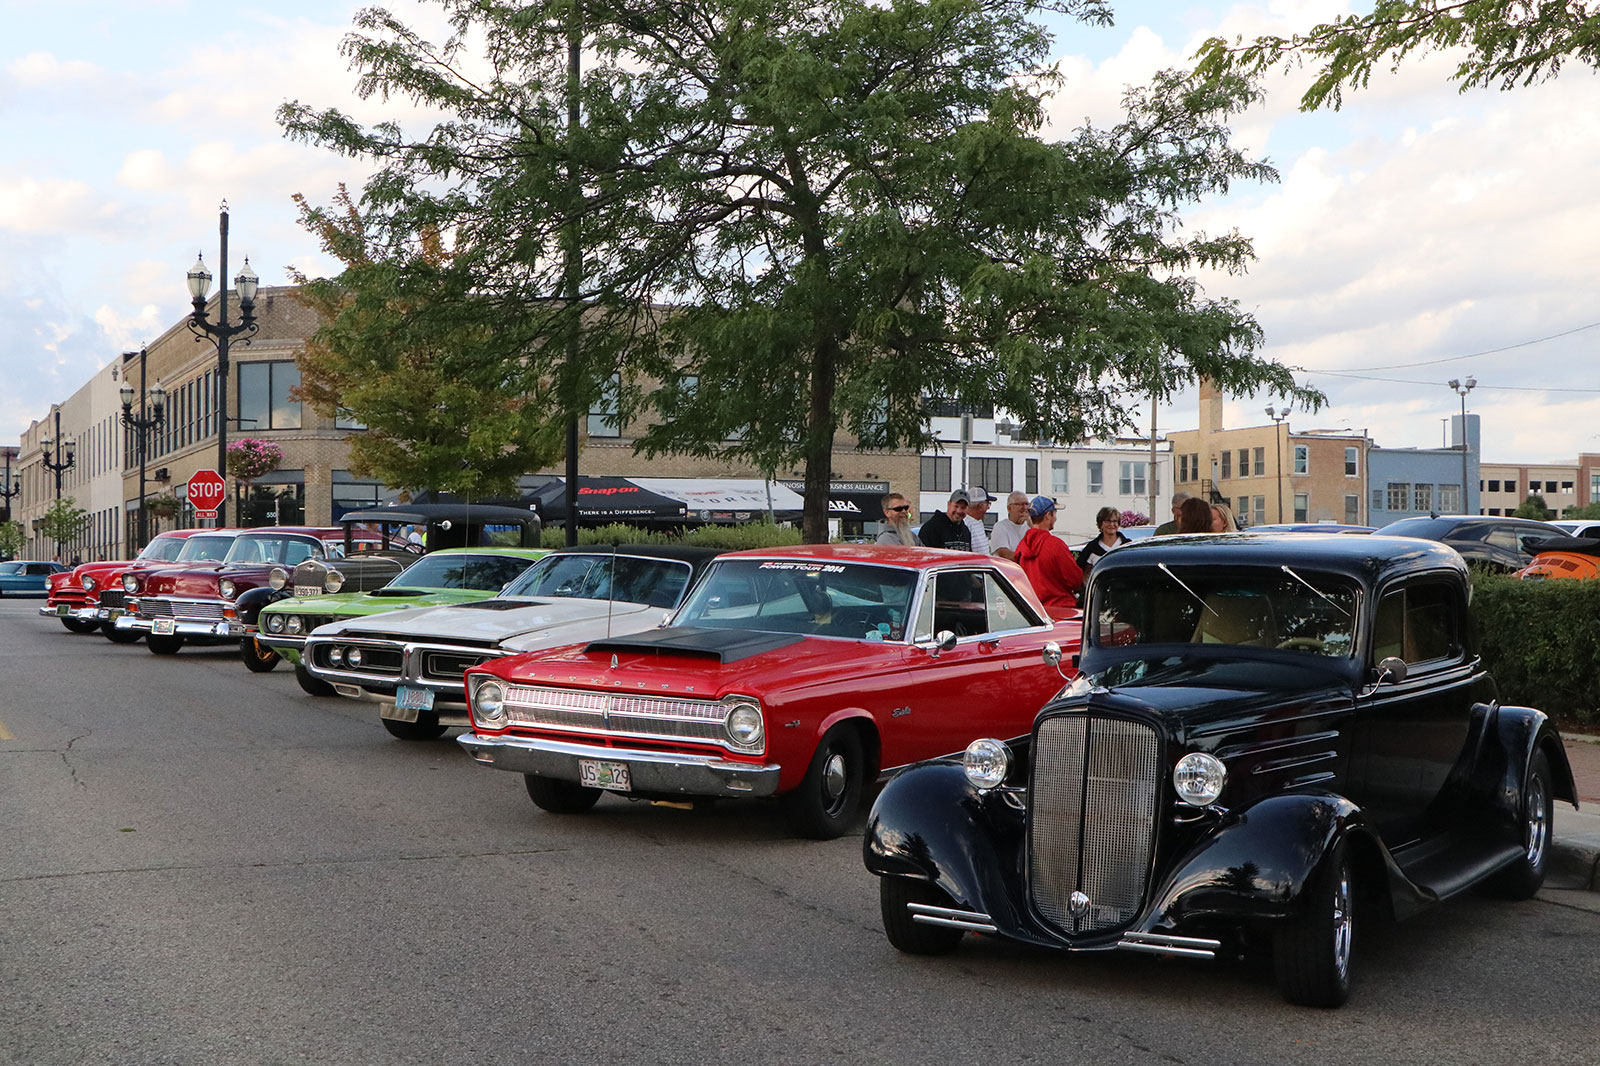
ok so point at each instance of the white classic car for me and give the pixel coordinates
(410, 662)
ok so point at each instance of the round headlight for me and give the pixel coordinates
(489, 701)
(334, 582)
(130, 583)
(294, 624)
(744, 724)
(278, 578)
(226, 587)
(986, 762)
(336, 655)
(87, 582)
(353, 657)
(272, 623)
(1199, 778)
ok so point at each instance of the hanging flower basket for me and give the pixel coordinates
(164, 506)
(249, 458)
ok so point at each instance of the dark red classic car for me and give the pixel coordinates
(90, 596)
(801, 673)
(171, 605)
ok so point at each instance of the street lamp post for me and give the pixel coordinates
(147, 419)
(1277, 440)
(1461, 388)
(59, 454)
(11, 485)
(222, 331)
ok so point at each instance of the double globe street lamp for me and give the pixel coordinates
(59, 454)
(1461, 388)
(152, 412)
(222, 331)
(11, 484)
(1277, 417)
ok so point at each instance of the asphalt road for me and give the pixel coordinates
(204, 866)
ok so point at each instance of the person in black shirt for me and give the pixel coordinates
(949, 530)
(1109, 521)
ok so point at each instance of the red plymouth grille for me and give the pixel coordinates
(616, 714)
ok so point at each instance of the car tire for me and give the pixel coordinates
(76, 625)
(914, 938)
(311, 684)
(258, 658)
(164, 645)
(560, 797)
(426, 727)
(1536, 814)
(1312, 954)
(120, 636)
(825, 802)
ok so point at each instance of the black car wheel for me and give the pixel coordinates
(258, 658)
(426, 727)
(1312, 954)
(911, 937)
(560, 797)
(163, 645)
(311, 683)
(120, 636)
(1524, 877)
(824, 803)
(77, 625)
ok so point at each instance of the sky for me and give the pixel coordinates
(1418, 234)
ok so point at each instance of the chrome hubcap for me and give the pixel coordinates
(1342, 925)
(834, 779)
(1538, 829)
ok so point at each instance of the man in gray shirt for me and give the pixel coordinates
(976, 509)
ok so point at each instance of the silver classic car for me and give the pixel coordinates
(411, 662)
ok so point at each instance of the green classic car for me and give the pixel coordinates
(438, 579)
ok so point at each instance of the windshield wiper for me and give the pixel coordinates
(1314, 588)
(1197, 597)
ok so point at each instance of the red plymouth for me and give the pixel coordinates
(799, 673)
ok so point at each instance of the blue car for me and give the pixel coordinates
(25, 577)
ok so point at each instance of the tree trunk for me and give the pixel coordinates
(819, 443)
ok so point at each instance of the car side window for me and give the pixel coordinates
(1419, 623)
(1503, 538)
(1006, 612)
(1526, 537)
(960, 603)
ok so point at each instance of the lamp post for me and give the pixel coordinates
(1461, 388)
(1277, 440)
(222, 331)
(148, 418)
(59, 454)
(11, 485)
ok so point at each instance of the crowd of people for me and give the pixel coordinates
(1025, 534)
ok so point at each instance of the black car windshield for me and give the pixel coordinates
(809, 596)
(485, 573)
(282, 548)
(164, 549)
(603, 576)
(201, 548)
(1243, 606)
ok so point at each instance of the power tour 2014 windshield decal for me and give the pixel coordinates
(810, 568)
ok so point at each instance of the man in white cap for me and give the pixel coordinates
(978, 501)
(948, 529)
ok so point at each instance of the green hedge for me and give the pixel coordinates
(1541, 641)
(752, 535)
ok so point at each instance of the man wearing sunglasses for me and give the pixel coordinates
(897, 512)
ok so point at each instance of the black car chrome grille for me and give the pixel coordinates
(186, 610)
(1096, 783)
(113, 598)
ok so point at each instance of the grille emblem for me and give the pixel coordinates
(1078, 903)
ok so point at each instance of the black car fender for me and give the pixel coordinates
(250, 602)
(1520, 733)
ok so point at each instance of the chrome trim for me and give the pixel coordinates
(631, 715)
(1188, 947)
(413, 655)
(950, 918)
(652, 771)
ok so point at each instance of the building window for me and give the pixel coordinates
(1097, 484)
(1377, 500)
(1030, 477)
(1194, 465)
(264, 401)
(1424, 497)
(992, 474)
(603, 420)
(1302, 507)
(1352, 462)
(1260, 457)
(1352, 509)
(1566, 486)
(1302, 458)
(1183, 468)
(1244, 462)
(1242, 510)
(1227, 464)
(1511, 486)
(1258, 510)
(1494, 485)
(1450, 499)
(1132, 480)
(1399, 496)
(936, 473)
(1549, 486)
(1059, 480)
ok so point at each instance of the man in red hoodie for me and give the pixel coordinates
(1046, 559)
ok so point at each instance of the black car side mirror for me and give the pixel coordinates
(1391, 671)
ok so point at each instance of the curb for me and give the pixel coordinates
(1574, 866)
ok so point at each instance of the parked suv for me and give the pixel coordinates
(1495, 543)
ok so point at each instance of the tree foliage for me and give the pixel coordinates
(1502, 43)
(802, 219)
(13, 538)
(1533, 507)
(63, 520)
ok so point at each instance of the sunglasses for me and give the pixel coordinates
(897, 510)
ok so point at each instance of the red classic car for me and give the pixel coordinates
(801, 673)
(170, 605)
(90, 596)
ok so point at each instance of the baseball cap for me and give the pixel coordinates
(959, 496)
(1040, 506)
(980, 493)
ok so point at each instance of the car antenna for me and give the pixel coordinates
(611, 590)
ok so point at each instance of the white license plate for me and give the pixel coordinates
(407, 698)
(592, 773)
(164, 627)
(63, 609)
(308, 590)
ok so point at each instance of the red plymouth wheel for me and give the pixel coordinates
(823, 805)
(560, 797)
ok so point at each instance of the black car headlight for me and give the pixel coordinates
(334, 582)
(278, 578)
(986, 762)
(1199, 778)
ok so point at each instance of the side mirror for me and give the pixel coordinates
(1391, 669)
(1052, 653)
(944, 640)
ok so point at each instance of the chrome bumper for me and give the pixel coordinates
(652, 771)
(182, 628)
(1189, 947)
(81, 614)
(280, 642)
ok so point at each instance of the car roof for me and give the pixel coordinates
(1367, 559)
(881, 555)
(1433, 526)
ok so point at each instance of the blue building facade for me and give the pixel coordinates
(1407, 482)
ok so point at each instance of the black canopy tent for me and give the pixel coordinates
(607, 499)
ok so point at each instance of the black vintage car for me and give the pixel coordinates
(1274, 739)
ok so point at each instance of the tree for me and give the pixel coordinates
(1533, 507)
(1591, 510)
(64, 520)
(13, 538)
(1505, 43)
(801, 218)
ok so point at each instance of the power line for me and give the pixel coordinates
(1491, 351)
(1409, 381)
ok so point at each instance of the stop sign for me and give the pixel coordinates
(206, 489)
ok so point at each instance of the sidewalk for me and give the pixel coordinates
(1575, 852)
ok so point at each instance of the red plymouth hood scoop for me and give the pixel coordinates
(723, 645)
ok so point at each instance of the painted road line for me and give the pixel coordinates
(5, 734)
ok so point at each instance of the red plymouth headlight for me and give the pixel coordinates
(489, 701)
